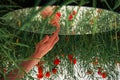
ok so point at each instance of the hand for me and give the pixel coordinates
(45, 45)
(55, 21)
(48, 11)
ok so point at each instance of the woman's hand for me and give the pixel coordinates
(45, 45)
(47, 12)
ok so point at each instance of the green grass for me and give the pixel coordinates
(102, 41)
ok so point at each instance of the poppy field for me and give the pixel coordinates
(88, 46)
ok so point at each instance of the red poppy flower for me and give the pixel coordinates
(70, 56)
(74, 61)
(40, 76)
(55, 21)
(56, 61)
(104, 75)
(99, 72)
(70, 60)
(40, 70)
(37, 65)
(70, 17)
(54, 71)
(47, 74)
(58, 14)
(74, 12)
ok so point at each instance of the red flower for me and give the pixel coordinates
(58, 14)
(104, 75)
(54, 71)
(70, 60)
(74, 12)
(74, 61)
(70, 56)
(37, 65)
(56, 61)
(40, 70)
(99, 72)
(47, 74)
(70, 17)
(40, 76)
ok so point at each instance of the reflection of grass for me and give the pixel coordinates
(84, 47)
(86, 21)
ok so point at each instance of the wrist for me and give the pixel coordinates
(36, 55)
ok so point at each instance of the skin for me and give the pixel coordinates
(42, 48)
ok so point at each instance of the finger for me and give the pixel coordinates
(55, 41)
(42, 41)
(45, 39)
(52, 38)
(54, 35)
(47, 12)
(56, 32)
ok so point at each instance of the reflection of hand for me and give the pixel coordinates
(55, 21)
(48, 11)
(45, 45)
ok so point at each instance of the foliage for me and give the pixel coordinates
(92, 37)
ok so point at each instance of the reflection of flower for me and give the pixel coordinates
(73, 13)
(99, 10)
(91, 21)
(46, 12)
(70, 17)
(55, 20)
(58, 14)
